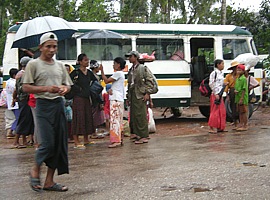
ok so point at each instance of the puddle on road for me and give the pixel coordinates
(207, 189)
(250, 164)
(195, 188)
(264, 127)
(201, 190)
(168, 188)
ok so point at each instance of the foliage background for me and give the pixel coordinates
(151, 11)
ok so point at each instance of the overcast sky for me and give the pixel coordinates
(253, 5)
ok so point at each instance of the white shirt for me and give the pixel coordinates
(216, 81)
(252, 81)
(118, 88)
(10, 87)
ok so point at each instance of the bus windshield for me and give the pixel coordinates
(234, 47)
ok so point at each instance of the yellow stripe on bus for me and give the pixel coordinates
(173, 82)
(165, 83)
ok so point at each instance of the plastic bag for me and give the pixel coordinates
(68, 113)
(248, 59)
(151, 121)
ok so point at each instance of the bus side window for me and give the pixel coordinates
(164, 48)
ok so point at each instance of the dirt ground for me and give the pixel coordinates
(190, 122)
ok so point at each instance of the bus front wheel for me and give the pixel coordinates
(205, 111)
(229, 111)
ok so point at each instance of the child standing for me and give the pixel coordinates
(9, 115)
(10, 87)
(241, 98)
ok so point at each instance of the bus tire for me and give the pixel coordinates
(177, 112)
(229, 117)
(205, 111)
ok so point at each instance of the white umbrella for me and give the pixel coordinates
(30, 31)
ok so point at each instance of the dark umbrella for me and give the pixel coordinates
(102, 34)
(30, 31)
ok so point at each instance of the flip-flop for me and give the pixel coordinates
(222, 131)
(97, 136)
(212, 132)
(89, 143)
(21, 146)
(34, 182)
(14, 147)
(133, 137)
(141, 141)
(79, 147)
(17, 147)
(242, 129)
(116, 144)
(56, 187)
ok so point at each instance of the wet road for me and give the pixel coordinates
(200, 166)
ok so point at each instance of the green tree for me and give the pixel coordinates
(161, 10)
(134, 11)
(70, 11)
(198, 11)
(241, 17)
(262, 37)
(223, 12)
(93, 10)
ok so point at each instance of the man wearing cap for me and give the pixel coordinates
(49, 81)
(230, 80)
(241, 98)
(137, 101)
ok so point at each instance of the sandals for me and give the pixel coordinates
(220, 131)
(89, 143)
(35, 183)
(133, 137)
(10, 136)
(212, 132)
(56, 187)
(241, 129)
(98, 136)
(116, 144)
(18, 146)
(141, 141)
(79, 146)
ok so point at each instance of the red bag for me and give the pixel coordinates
(205, 88)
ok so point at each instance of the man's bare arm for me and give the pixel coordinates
(33, 89)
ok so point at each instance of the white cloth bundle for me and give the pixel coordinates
(248, 59)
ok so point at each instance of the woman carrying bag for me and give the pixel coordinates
(217, 117)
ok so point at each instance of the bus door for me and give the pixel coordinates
(202, 64)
